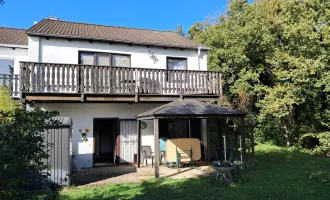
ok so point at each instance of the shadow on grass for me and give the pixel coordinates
(279, 174)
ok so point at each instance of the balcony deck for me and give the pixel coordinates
(72, 82)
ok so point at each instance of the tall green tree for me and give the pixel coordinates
(278, 53)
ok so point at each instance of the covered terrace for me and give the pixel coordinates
(189, 110)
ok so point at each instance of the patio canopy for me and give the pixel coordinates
(189, 109)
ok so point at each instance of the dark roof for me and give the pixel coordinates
(13, 36)
(58, 28)
(190, 109)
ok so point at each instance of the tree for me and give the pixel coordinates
(7, 106)
(179, 30)
(277, 52)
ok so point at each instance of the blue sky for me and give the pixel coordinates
(150, 14)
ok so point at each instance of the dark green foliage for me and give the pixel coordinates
(309, 141)
(22, 149)
(276, 53)
(324, 143)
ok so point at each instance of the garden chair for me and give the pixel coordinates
(147, 154)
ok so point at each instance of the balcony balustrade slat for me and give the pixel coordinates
(153, 82)
(200, 83)
(32, 77)
(92, 79)
(37, 74)
(71, 68)
(216, 83)
(101, 84)
(126, 83)
(47, 78)
(132, 81)
(16, 85)
(220, 84)
(53, 77)
(106, 75)
(58, 88)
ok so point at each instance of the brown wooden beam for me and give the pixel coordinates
(113, 98)
(156, 149)
(138, 128)
(201, 98)
(159, 98)
(52, 98)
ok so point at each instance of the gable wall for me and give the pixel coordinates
(56, 50)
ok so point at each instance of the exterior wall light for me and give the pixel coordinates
(150, 54)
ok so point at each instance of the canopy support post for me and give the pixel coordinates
(208, 139)
(243, 142)
(157, 152)
(138, 128)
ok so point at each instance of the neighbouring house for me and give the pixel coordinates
(103, 76)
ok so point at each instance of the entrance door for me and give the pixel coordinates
(104, 134)
(128, 141)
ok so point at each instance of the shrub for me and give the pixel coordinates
(324, 143)
(22, 147)
(315, 143)
(308, 141)
(7, 105)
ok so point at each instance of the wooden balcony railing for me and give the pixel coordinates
(11, 81)
(72, 78)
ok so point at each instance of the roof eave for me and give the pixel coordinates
(117, 41)
(191, 116)
(14, 46)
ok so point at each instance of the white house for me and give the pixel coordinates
(103, 76)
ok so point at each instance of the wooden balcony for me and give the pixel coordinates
(104, 83)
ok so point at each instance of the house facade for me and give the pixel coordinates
(103, 76)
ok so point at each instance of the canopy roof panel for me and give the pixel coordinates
(190, 109)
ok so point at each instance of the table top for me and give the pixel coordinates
(224, 169)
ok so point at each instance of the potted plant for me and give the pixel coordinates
(84, 134)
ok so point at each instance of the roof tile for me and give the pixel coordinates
(13, 36)
(49, 27)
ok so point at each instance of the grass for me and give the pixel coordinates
(279, 174)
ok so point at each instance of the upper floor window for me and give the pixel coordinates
(176, 63)
(104, 59)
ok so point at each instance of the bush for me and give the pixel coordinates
(22, 147)
(308, 141)
(7, 105)
(315, 143)
(324, 143)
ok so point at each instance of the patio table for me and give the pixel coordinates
(223, 175)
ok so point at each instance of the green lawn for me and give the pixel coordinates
(279, 174)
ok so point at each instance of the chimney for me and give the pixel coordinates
(53, 18)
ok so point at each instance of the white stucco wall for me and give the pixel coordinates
(33, 45)
(82, 115)
(57, 50)
(17, 54)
